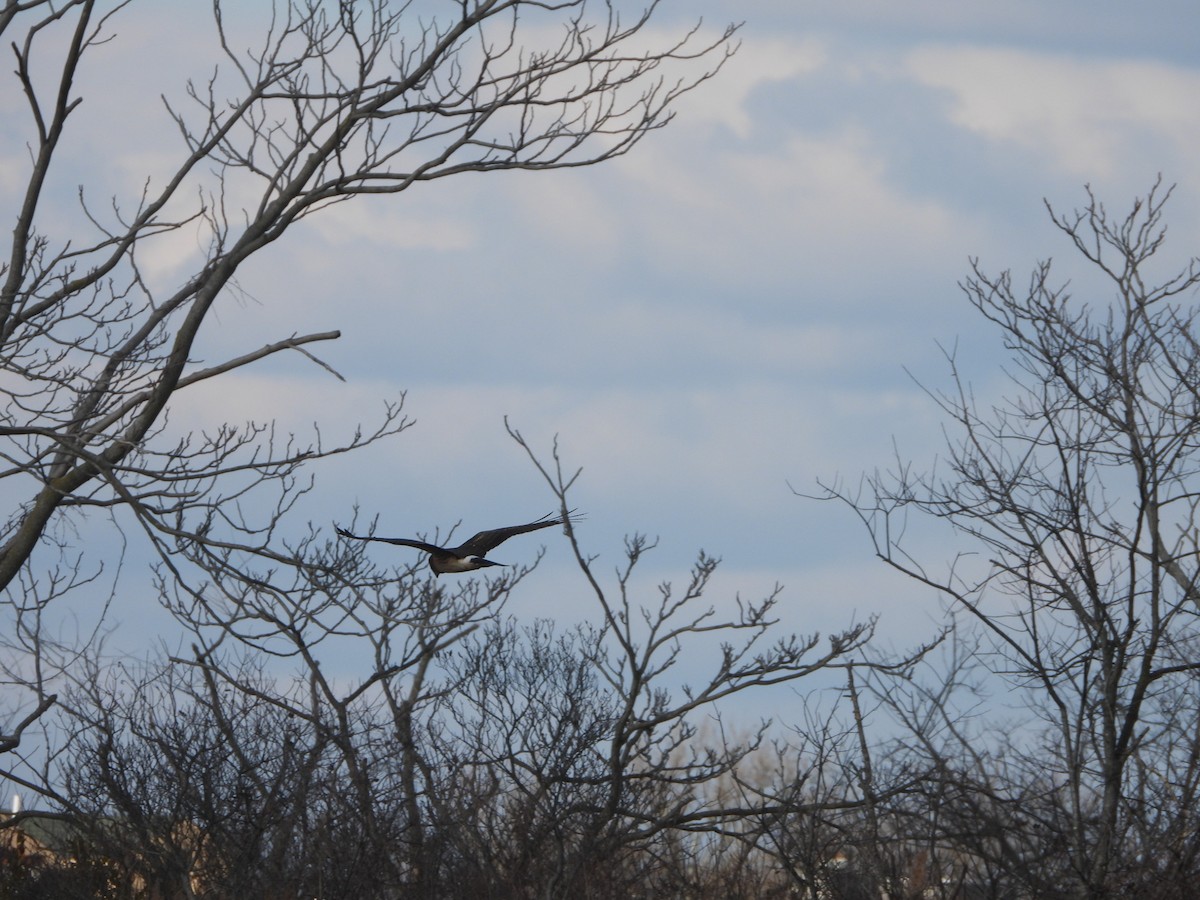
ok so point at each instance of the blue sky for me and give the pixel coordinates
(727, 310)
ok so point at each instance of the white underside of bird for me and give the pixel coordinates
(465, 564)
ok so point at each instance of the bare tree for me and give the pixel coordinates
(331, 101)
(183, 795)
(1077, 499)
(655, 777)
(225, 773)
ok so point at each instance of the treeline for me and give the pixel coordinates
(516, 766)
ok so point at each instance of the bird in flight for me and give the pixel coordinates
(469, 555)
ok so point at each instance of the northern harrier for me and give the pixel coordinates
(468, 555)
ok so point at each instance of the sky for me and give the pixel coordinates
(750, 301)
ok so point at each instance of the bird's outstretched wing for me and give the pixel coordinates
(481, 543)
(405, 542)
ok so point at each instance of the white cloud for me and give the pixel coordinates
(569, 212)
(824, 209)
(173, 254)
(295, 402)
(13, 173)
(638, 337)
(390, 225)
(714, 447)
(1092, 118)
(759, 61)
